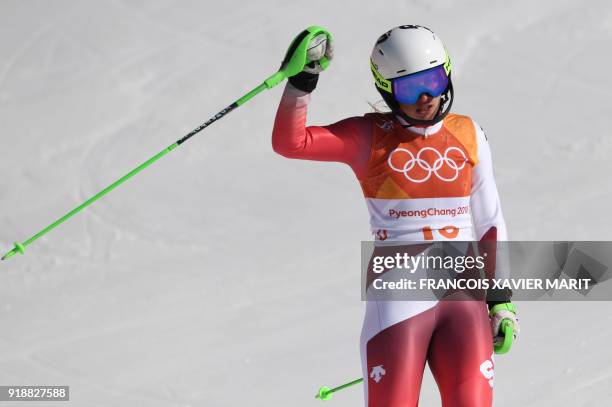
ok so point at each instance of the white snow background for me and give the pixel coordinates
(226, 275)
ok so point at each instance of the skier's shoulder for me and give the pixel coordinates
(383, 120)
(460, 123)
(464, 130)
(362, 125)
(463, 123)
(378, 116)
(464, 127)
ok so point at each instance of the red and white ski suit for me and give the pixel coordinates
(420, 184)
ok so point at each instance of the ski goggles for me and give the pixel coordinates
(407, 89)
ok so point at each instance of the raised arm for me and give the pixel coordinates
(347, 141)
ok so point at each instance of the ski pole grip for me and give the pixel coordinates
(507, 329)
(297, 54)
(296, 57)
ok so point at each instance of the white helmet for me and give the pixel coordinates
(406, 50)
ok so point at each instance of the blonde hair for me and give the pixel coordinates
(379, 106)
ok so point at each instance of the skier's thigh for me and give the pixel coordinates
(396, 359)
(461, 354)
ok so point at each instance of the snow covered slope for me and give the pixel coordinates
(226, 275)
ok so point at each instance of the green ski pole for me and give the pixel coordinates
(293, 63)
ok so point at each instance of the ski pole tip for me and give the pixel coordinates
(19, 248)
(8, 255)
(325, 393)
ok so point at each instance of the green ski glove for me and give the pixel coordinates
(316, 45)
(497, 315)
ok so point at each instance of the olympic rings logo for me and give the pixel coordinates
(431, 169)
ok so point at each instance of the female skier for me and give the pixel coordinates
(416, 165)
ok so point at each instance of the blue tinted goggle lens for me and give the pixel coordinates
(407, 89)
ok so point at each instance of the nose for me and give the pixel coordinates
(425, 98)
